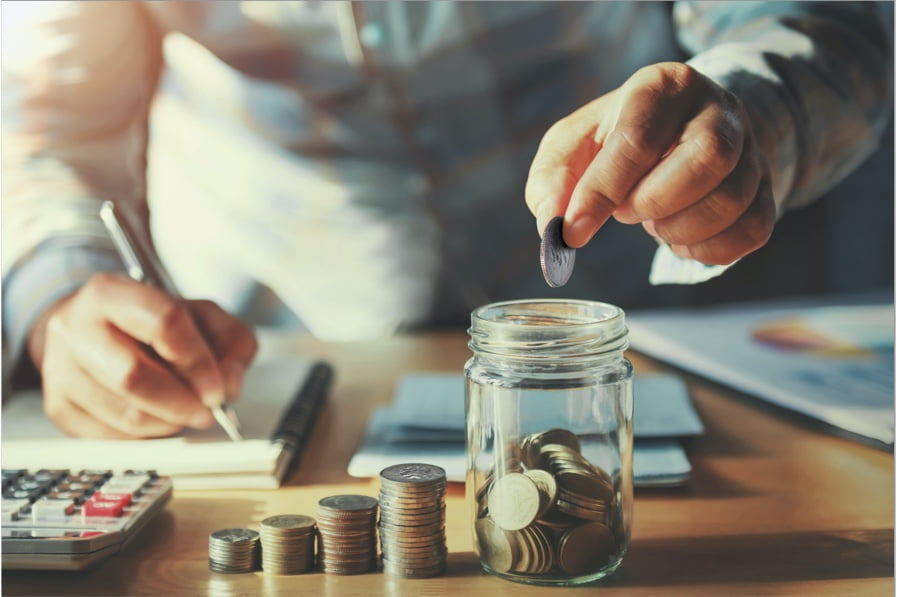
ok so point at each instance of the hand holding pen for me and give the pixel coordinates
(99, 379)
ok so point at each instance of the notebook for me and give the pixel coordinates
(278, 406)
(829, 359)
(426, 423)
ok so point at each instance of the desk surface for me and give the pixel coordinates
(775, 507)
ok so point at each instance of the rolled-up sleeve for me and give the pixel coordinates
(815, 77)
(77, 80)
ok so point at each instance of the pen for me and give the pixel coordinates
(143, 266)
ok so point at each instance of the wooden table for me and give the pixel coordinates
(775, 507)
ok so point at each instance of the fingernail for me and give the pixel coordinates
(234, 378)
(624, 215)
(202, 419)
(211, 389)
(580, 231)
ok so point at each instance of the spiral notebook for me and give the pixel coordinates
(277, 409)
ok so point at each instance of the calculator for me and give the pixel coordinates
(70, 520)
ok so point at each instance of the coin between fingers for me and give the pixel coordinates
(555, 256)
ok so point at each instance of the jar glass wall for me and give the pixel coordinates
(549, 439)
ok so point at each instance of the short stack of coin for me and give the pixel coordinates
(412, 520)
(288, 544)
(347, 534)
(555, 516)
(233, 550)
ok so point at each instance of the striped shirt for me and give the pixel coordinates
(359, 167)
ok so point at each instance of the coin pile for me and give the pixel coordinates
(288, 544)
(233, 550)
(347, 534)
(412, 520)
(555, 517)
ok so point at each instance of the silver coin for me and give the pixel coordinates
(284, 522)
(410, 489)
(234, 535)
(413, 472)
(435, 541)
(348, 502)
(415, 505)
(395, 570)
(218, 567)
(387, 528)
(422, 503)
(412, 515)
(555, 256)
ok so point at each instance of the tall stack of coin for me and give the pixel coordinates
(288, 544)
(412, 520)
(557, 515)
(347, 534)
(233, 550)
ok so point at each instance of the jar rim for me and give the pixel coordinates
(547, 313)
(548, 328)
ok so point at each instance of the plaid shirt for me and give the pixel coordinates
(365, 162)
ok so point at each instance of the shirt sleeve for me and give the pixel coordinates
(815, 78)
(77, 80)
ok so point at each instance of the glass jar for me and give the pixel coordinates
(549, 439)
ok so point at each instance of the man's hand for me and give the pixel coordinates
(99, 379)
(670, 149)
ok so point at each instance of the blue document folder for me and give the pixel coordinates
(426, 423)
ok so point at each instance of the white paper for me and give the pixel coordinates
(850, 390)
(669, 268)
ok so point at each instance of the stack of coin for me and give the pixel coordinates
(412, 520)
(288, 544)
(233, 550)
(347, 534)
(554, 516)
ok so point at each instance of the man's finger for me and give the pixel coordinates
(114, 411)
(232, 340)
(562, 157)
(75, 421)
(652, 107)
(747, 234)
(715, 212)
(152, 317)
(706, 152)
(124, 367)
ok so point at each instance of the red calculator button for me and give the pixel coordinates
(117, 497)
(108, 509)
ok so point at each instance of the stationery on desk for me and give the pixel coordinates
(279, 404)
(426, 423)
(829, 359)
(267, 428)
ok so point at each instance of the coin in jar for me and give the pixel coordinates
(585, 548)
(547, 486)
(496, 547)
(514, 501)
